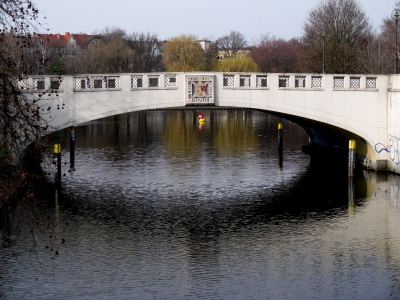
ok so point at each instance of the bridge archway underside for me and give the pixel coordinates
(323, 137)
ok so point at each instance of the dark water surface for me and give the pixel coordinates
(160, 207)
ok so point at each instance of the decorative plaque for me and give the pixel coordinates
(200, 89)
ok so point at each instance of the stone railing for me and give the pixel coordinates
(99, 82)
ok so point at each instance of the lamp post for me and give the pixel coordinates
(323, 52)
(395, 16)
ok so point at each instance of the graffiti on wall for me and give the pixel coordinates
(393, 148)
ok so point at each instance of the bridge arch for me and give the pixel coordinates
(332, 108)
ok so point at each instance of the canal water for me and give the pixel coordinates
(162, 207)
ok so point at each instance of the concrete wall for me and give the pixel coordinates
(362, 107)
(392, 143)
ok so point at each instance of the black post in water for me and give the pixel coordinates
(57, 208)
(57, 150)
(352, 160)
(280, 144)
(72, 147)
(352, 204)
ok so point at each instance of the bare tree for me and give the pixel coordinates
(18, 15)
(374, 58)
(115, 56)
(388, 40)
(111, 33)
(118, 52)
(211, 56)
(146, 53)
(277, 55)
(28, 54)
(23, 123)
(231, 45)
(21, 119)
(74, 64)
(336, 28)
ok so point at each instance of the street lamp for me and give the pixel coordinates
(323, 52)
(395, 16)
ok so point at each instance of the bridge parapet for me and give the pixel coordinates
(154, 81)
(302, 81)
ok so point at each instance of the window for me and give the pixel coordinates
(79, 83)
(38, 83)
(338, 82)
(300, 81)
(229, 80)
(136, 82)
(22, 83)
(371, 83)
(111, 84)
(97, 83)
(245, 81)
(170, 80)
(316, 81)
(354, 82)
(153, 81)
(283, 81)
(261, 81)
(55, 83)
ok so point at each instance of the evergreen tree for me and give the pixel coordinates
(56, 66)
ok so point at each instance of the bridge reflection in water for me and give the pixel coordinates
(162, 207)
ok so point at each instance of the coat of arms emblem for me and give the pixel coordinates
(200, 89)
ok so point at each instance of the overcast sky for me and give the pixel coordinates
(204, 19)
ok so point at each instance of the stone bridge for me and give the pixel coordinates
(332, 108)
